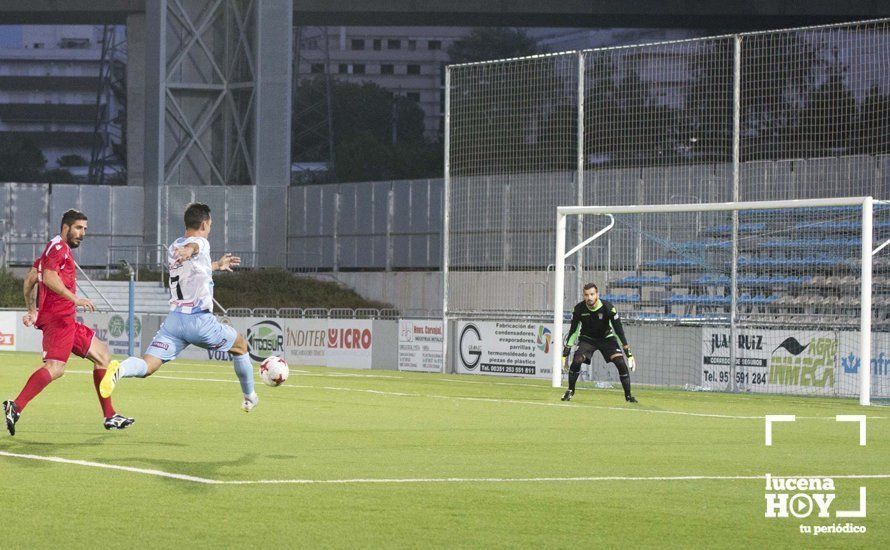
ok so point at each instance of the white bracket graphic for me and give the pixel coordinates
(770, 418)
(860, 513)
(854, 418)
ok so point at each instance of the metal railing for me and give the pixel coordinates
(331, 313)
(303, 262)
(12, 256)
(142, 256)
(92, 284)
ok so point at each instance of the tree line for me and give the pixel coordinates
(668, 105)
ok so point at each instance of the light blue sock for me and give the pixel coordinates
(244, 371)
(133, 367)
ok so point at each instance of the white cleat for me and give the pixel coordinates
(250, 401)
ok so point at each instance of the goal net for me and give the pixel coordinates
(785, 297)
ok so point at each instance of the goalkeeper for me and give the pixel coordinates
(596, 325)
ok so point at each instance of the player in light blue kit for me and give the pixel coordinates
(191, 319)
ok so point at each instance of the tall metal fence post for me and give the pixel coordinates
(579, 220)
(734, 276)
(131, 317)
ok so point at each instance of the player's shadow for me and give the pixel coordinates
(20, 444)
(205, 469)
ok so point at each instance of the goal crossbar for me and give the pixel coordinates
(865, 203)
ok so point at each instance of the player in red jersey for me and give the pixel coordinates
(54, 275)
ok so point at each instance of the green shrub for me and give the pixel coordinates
(278, 288)
(274, 288)
(10, 290)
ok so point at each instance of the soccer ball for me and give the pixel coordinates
(273, 371)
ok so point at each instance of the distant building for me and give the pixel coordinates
(409, 61)
(49, 85)
(561, 40)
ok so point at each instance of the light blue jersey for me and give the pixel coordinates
(201, 329)
(191, 281)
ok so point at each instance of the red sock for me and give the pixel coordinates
(107, 407)
(39, 380)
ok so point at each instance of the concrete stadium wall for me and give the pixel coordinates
(419, 292)
(374, 225)
(396, 225)
(30, 216)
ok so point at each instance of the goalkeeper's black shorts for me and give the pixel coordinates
(588, 346)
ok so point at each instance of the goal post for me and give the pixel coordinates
(772, 246)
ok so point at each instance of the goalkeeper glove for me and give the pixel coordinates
(632, 364)
(566, 350)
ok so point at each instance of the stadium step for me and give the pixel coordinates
(151, 297)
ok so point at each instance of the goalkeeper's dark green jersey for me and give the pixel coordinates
(592, 324)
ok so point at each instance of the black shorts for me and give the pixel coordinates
(607, 346)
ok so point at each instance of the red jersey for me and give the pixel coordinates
(51, 306)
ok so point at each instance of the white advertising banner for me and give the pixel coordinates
(851, 363)
(349, 343)
(784, 361)
(305, 341)
(265, 337)
(111, 328)
(8, 328)
(505, 348)
(345, 343)
(420, 345)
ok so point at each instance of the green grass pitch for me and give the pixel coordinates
(418, 460)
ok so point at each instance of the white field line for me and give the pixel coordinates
(299, 372)
(417, 480)
(526, 479)
(173, 371)
(221, 365)
(494, 400)
(516, 384)
(144, 471)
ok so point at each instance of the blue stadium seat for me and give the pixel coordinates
(809, 244)
(673, 263)
(726, 229)
(702, 245)
(638, 280)
(711, 280)
(621, 298)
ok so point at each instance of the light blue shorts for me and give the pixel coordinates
(181, 329)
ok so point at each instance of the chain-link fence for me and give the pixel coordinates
(801, 113)
(781, 115)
